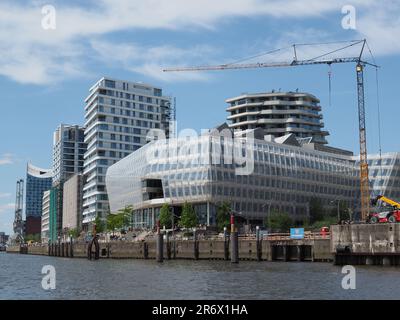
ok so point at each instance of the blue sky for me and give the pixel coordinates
(45, 74)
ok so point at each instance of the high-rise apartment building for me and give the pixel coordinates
(279, 113)
(45, 217)
(68, 151)
(118, 116)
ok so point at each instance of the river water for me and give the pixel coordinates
(21, 278)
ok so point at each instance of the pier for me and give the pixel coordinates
(366, 244)
(277, 248)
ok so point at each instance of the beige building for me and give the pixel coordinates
(72, 203)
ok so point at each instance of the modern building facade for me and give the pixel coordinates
(37, 182)
(72, 203)
(45, 217)
(68, 151)
(255, 176)
(279, 113)
(3, 238)
(118, 116)
(384, 175)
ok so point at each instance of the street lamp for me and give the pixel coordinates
(338, 208)
(269, 213)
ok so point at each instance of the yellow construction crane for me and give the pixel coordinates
(321, 59)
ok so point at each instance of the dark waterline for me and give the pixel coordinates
(20, 278)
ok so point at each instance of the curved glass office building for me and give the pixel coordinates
(253, 173)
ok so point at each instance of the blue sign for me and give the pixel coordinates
(296, 233)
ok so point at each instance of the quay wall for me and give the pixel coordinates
(366, 244)
(268, 250)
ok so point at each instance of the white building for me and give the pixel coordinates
(255, 178)
(279, 113)
(118, 116)
(45, 217)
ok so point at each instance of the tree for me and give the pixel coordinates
(343, 211)
(112, 222)
(188, 217)
(279, 221)
(73, 233)
(165, 216)
(223, 215)
(317, 212)
(120, 219)
(100, 226)
(123, 217)
(32, 237)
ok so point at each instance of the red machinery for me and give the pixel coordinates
(392, 214)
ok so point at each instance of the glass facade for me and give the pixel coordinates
(37, 182)
(201, 171)
(384, 174)
(68, 151)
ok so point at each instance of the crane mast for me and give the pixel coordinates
(360, 64)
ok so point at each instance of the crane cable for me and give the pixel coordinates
(330, 85)
(352, 43)
(378, 109)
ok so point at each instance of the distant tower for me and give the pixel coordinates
(18, 222)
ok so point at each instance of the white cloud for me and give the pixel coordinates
(29, 54)
(6, 158)
(150, 61)
(5, 195)
(381, 26)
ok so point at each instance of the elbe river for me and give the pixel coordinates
(21, 278)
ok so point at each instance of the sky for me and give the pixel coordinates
(50, 57)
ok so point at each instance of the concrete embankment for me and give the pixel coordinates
(269, 250)
(366, 244)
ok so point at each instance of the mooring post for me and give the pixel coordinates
(300, 252)
(234, 247)
(59, 247)
(195, 245)
(160, 244)
(258, 243)
(226, 244)
(62, 249)
(234, 242)
(67, 249)
(168, 246)
(145, 250)
(71, 249)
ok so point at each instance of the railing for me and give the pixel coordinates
(285, 236)
(307, 236)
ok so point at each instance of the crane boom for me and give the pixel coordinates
(389, 201)
(364, 178)
(294, 63)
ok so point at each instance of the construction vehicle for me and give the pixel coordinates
(320, 59)
(382, 214)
